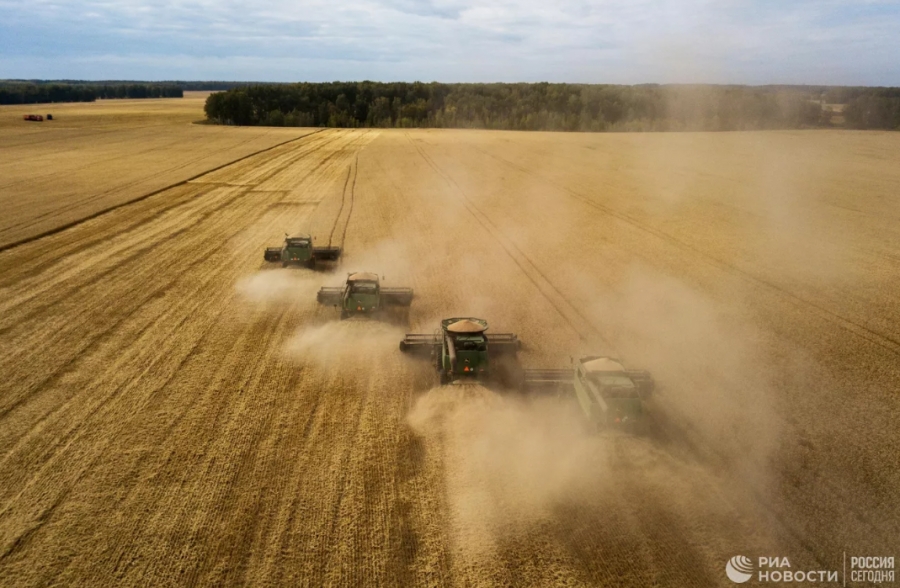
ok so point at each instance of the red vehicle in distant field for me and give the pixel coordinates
(35, 117)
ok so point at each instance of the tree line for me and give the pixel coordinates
(545, 106)
(35, 92)
(876, 108)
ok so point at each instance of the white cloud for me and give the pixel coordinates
(617, 41)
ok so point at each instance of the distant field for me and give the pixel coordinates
(175, 411)
(96, 155)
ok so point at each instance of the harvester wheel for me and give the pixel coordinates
(403, 346)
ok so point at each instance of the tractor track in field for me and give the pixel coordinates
(286, 160)
(101, 337)
(116, 267)
(90, 241)
(352, 196)
(49, 175)
(77, 133)
(105, 335)
(127, 138)
(109, 209)
(136, 253)
(341, 209)
(147, 248)
(862, 331)
(562, 305)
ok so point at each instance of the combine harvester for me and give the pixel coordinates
(298, 250)
(463, 353)
(609, 394)
(362, 294)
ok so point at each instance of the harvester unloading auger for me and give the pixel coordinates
(609, 394)
(298, 250)
(362, 294)
(462, 351)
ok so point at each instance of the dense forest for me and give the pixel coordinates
(551, 107)
(24, 92)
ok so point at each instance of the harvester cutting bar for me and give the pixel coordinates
(272, 254)
(331, 296)
(503, 343)
(560, 379)
(326, 253)
(548, 380)
(397, 296)
(561, 376)
(420, 343)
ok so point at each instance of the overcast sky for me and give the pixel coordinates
(854, 42)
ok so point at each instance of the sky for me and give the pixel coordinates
(834, 42)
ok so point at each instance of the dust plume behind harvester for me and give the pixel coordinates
(298, 249)
(463, 352)
(607, 392)
(362, 294)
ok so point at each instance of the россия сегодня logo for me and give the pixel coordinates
(739, 569)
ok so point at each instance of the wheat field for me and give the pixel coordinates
(94, 156)
(173, 411)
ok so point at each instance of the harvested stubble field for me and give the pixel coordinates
(173, 412)
(94, 156)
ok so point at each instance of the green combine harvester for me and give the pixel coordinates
(362, 294)
(462, 352)
(609, 394)
(298, 250)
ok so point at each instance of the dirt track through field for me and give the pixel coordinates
(175, 412)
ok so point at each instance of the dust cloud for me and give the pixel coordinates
(512, 463)
(507, 461)
(278, 287)
(361, 343)
(353, 343)
(389, 259)
(714, 379)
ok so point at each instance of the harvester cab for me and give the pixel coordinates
(299, 250)
(608, 394)
(362, 293)
(462, 351)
